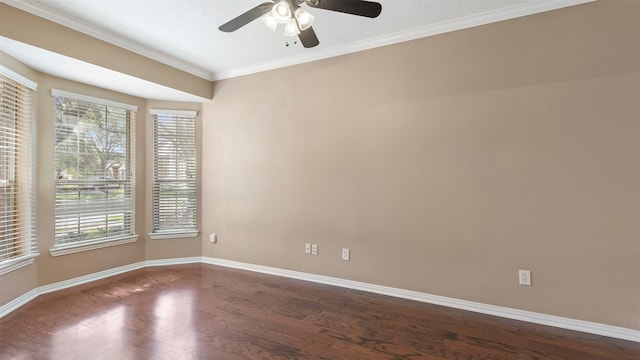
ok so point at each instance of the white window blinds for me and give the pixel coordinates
(17, 210)
(94, 162)
(174, 173)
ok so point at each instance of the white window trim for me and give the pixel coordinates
(17, 263)
(12, 264)
(91, 99)
(72, 248)
(81, 246)
(174, 235)
(173, 112)
(18, 78)
(163, 235)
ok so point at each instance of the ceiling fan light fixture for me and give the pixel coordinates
(305, 20)
(296, 21)
(291, 28)
(270, 21)
(281, 11)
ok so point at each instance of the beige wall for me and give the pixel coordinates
(171, 248)
(446, 164)
(21, 26)
(23, 280)
(53, 269)
(30, 29)
(47, 269)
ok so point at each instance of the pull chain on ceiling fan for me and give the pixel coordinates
(296, 20)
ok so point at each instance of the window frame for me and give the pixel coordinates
(119, 239)
(22, 131)
(189, 184)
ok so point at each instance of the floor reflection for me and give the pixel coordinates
(100, 332)
(174, 328)
(206, 312)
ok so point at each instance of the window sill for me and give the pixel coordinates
(86, 246)
(174, 235)
(8, 266)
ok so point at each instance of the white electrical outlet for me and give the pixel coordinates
(314, 249)
(346, 254)
(525, 277)
(307, 248)
(213, 238)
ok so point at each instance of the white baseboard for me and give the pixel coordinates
(176, 261)
(25, 298)
(89, 278)
(509, 313)
(17, 302)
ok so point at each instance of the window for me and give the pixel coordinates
(174, 174)
(17, 211)
(94, 162)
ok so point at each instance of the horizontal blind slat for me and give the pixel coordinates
(94, 160)
(17, 210)
(174, 183)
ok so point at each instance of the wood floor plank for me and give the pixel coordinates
(201, 311)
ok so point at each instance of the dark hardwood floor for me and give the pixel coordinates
(209, 312)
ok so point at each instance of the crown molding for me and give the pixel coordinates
(507, 13)
(107, 36)
(511, 12)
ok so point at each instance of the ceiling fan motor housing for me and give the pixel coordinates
(293, 15)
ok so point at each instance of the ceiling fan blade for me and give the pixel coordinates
(308, 38)
(242, 20)
(354, 7)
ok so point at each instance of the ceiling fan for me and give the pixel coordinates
(296, 20)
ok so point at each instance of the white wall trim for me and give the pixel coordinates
(509, 313)
(511, 12)
(17, 263)
(107, 36)
(488, 17)
(175, 261)
(18, 302)
(89, 278)
(25, 298)
(169, 112)
(93, 99)
(19, 78)
(72, 248)
(174, 235)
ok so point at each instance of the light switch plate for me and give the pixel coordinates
(346, 254)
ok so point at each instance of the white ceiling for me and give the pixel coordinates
(184, 34)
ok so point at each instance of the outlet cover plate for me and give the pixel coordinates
(524, 277)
